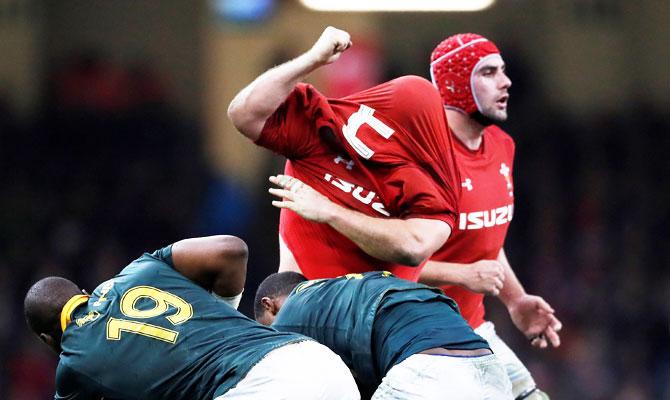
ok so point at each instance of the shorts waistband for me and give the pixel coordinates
(458, 352)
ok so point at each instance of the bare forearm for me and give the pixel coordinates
(252, 106)
(255, 103)
(407, 242)
(217, 263)
(438, 273)
(512, 289)
(482, 276)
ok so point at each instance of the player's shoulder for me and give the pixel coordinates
(497, 134)
(413, 96)
(412, 81)
(148, 265)
(415, 88)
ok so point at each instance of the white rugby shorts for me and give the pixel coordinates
(305, 370)
(439, 377)
(522, 381)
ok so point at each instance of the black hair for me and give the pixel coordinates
(44, 302)
(276, 285)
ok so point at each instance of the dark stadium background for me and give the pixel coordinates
(113, 141)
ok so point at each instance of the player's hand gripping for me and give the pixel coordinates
(330, 45)
(484, 276)
(533, 316)
(301, 198)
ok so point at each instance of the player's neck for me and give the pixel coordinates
(466, 129)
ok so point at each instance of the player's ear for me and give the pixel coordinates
(50, 341)
(270, 305)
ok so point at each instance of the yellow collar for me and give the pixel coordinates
(68, 308)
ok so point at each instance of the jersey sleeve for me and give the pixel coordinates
(71, 385)
(418, 197)
(292, 130)
(164, 254)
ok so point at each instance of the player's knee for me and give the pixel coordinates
(533, 394)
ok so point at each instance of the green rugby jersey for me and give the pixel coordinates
(375, 320)
(151, 333)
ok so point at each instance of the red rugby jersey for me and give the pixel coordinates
(384, 152)
(485, 208)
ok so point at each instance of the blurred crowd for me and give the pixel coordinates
(111, 169)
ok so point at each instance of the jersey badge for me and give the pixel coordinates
(104, 289)
(348, 164)
(90, 317)
(467, 183)
(504, 171)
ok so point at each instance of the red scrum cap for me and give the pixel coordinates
(452, 64)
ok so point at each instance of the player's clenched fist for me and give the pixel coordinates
(330, 45)
(484, 276)
(300, 198)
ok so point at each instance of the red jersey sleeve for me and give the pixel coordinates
(416, 196)
(293, 129)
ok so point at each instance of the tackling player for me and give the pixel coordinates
(402, 340)
(391, 180)
(161, 330)
(469, 72)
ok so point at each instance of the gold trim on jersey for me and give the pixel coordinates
(69, 307)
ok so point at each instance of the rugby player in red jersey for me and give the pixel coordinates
(368, 185)
(469, 72)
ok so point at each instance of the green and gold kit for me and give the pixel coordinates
(151, 333)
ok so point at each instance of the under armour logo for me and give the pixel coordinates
(467, 183)
(339, 159)
(451, 88)
(504, 171)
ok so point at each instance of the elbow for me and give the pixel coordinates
(413, 256)
(417, 248)
(232, 247)
(232, 254)
(245, 120)
(236, 113)
(419, 244)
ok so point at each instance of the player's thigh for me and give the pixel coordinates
(522, 381)
(300, 371)
(429, 377)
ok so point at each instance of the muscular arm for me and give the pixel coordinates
(483, 276)
(254, 104)
(407, 242)
(404, 241)
(217, 263)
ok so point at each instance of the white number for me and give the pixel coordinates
(360, 117)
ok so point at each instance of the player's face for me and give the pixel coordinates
(490, 85)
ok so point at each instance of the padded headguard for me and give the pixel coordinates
(452, 64)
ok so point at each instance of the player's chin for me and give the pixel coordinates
(497, 115)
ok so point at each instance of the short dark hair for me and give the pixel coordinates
(44, 302)
(275, 285)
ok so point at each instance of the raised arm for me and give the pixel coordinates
(403, 241)
(254, 104)
(217, 263)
